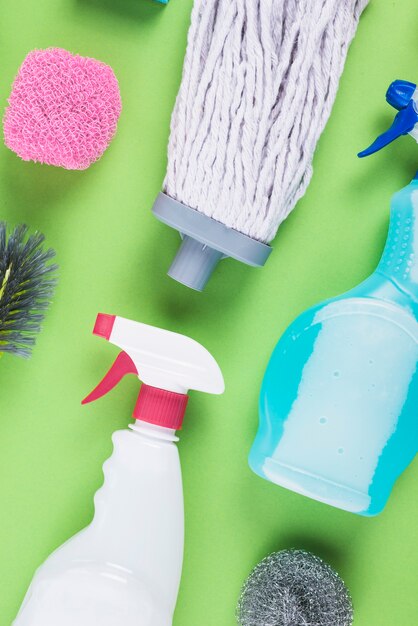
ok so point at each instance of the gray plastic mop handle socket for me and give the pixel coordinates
(205, 242)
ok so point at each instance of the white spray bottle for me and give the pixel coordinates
(124, 569)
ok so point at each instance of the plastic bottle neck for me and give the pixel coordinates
(153, 431)
(399, 261)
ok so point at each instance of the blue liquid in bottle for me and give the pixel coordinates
(339, 400)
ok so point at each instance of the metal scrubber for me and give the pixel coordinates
(26, 285)
(294, 588)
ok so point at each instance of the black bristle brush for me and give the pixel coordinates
(27, 284)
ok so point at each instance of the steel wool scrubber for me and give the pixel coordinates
(259, 81)
(294, 588)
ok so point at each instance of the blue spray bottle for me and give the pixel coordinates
(339, 400)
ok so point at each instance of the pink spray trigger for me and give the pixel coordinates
(155, 406)
(122, 366)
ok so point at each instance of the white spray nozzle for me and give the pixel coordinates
(162, 358)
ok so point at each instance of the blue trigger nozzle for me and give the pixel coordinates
(400, 96)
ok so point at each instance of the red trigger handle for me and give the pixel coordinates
(120, 368)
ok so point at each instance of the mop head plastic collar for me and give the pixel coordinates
(205, 242)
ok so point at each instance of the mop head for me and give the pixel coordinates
(259, 82)
(26, 286)
(63, 109)
(294, 588)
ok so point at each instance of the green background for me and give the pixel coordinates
(113, 256)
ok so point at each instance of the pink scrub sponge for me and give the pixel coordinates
(63, 109)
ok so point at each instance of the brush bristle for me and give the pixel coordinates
(26, 286)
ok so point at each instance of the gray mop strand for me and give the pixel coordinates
(294, 588)
(259, 81)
